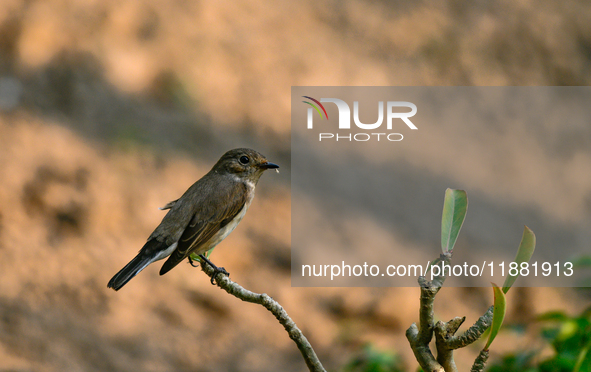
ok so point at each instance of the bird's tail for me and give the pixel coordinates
(130, 270)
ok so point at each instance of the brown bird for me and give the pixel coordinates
(204, 216)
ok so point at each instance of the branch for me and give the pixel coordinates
(443, 331)
(420, 336)
(275, 308)
(426, 319)
(422, 352)
(473, 333)
(446, 341)
(480, 361)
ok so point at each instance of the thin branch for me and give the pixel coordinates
(275, 308)
(420, 336)
(480, 361)
(422, 352)
(446, 342)
(443, 331)
(426, 317)
(473, 333)
(428, 292)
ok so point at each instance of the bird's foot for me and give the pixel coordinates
(216, 270)
(191, 262)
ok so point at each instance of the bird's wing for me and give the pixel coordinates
(169, 205)
(206, 222)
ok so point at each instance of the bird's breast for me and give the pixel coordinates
(229, 227)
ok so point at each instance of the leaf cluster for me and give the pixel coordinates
(569, 337)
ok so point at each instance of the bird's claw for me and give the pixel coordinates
(191, 262)
(216, 271)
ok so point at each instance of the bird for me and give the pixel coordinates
(202, 217)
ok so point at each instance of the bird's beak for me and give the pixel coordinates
(268, 165)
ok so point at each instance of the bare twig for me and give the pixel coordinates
(480, 361)
(275, 308)
(446, 341)
(420, 336)
(473, 333)
(426, 319)
(443, 331)
(422, 352)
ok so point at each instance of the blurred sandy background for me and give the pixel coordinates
(110, 109)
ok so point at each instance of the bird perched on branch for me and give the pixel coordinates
(204, 216)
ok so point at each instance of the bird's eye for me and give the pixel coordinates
(244, 159)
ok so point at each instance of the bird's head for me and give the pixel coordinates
(244, 163)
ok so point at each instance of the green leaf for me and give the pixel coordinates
(581, 356)
(498, 314)
(582, 262)
(455, 206)
(524, 253)
(557, 315)
(196, 257)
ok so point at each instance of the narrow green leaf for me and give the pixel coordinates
(581, 357)
(455, 206)
(558, 316)
(498, 314)
(524, 253)
(195, 257)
